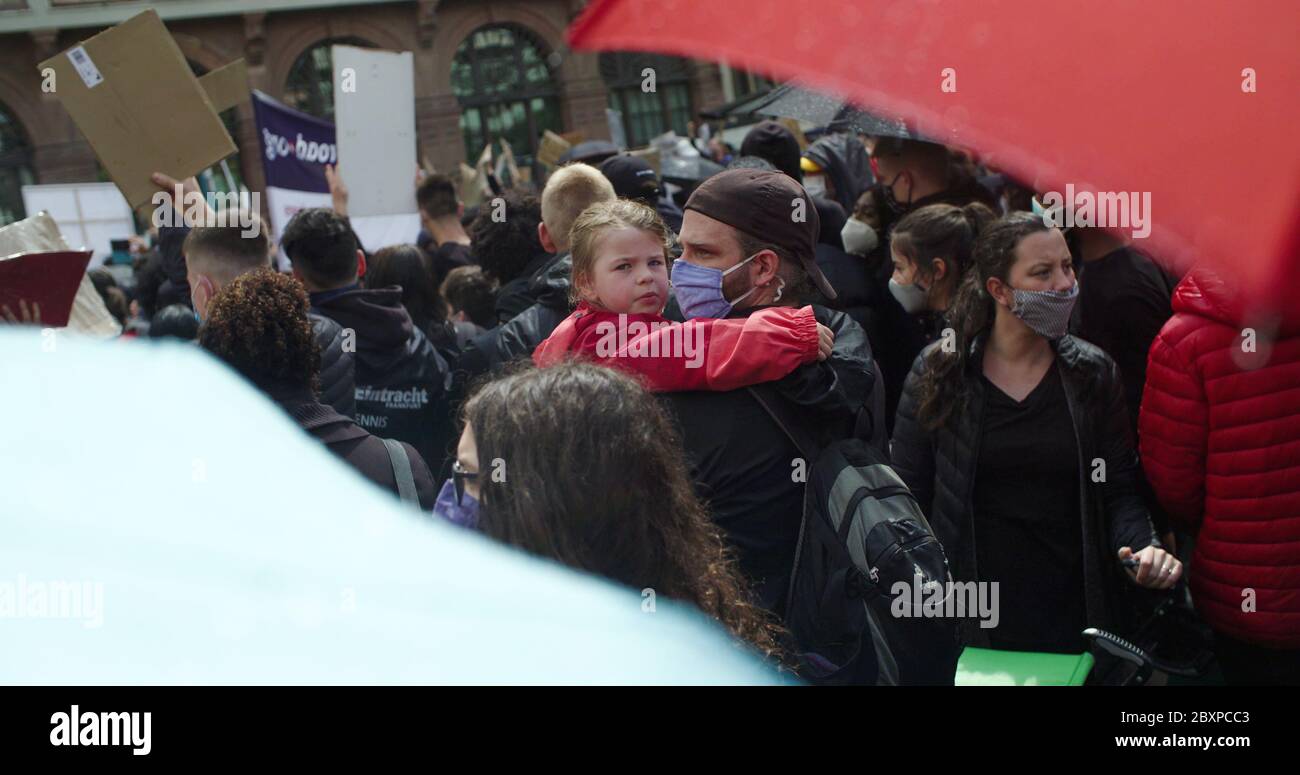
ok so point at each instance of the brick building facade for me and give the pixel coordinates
(39, 142)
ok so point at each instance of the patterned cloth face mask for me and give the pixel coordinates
(1046, 312)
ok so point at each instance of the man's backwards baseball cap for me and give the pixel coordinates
(765, 204)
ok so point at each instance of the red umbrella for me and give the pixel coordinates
(1196, 102)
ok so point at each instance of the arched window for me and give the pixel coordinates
(15, 167)
(503, 81)
(310, 86)
(651, 102)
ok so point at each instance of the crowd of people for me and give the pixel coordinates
(582, 373)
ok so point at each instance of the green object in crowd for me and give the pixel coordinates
(993, 667)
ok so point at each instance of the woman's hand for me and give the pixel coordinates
(825, 341)
(25, 314)
(1156, 569)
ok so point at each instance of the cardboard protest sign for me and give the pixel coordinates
(132, 94)
(551, 148)
(376, 157)
(227, 86)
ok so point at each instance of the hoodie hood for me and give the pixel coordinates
(382, 325)
(844, 160)
(1205, 293)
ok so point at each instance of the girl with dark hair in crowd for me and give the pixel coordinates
(931, 251)
(1017, 445)
(578, 464)
(405, 266)
(408, 267)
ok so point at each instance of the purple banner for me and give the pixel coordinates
(295, 146)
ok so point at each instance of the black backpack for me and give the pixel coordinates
(862, 533)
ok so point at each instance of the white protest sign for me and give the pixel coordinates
(90, 215)
(374, 119)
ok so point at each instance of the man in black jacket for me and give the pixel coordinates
(401, 380)
(760, 228)
(216, 255)
(207, 258)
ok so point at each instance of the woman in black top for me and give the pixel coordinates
(1015, 440)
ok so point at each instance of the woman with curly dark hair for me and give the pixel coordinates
(579, 464)
(1015, 441)
(505, 243)
(258, 325)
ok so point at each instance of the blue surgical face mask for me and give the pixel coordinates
(463, 513)
(699, 289)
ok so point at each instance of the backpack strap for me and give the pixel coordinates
(803, 441)
(401, 463)
(780, 413)
(870, 422)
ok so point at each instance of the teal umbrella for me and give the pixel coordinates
(163, 523)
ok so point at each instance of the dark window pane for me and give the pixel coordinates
(500, 77)
(310, 85)
(15, 167)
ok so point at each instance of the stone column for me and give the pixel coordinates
(583, 97)
(250, 149)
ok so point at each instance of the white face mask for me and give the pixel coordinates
(815, 185)
(858, 237)
(911, 297)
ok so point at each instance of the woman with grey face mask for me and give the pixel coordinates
(1014, 438)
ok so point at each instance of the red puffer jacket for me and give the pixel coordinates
(1220, 443)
